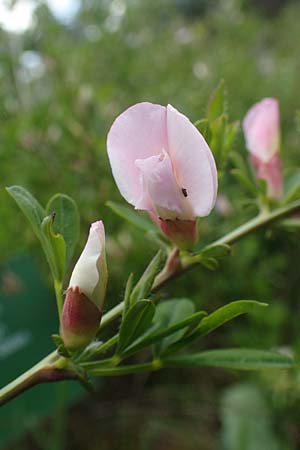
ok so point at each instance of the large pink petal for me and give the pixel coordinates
(193, 162)
(138, 133)
(262, 129)
(161, 189)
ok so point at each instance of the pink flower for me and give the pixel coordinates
(262, 133)
(162, 164)
(85, 295)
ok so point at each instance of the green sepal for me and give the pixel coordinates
(61, 348)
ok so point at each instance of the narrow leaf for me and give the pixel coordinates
(209, 263)
(217, 319)
(245, 181)
(133, 217)
(66, 221)
(227, 313)
(30, 207)
(204, 128)
(235, 358)
(231, 133)
(157, 332)
(143, 287)
(137, 320)
(128, 291)
(216, 104)
(167, 314)
(216, 251)
(54, 247)
(292, 187)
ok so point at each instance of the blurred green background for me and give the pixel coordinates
(67, 69)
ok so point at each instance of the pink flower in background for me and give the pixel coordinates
(262, 134)
(162, 164)
(85, 295)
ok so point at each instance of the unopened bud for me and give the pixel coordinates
(86, 292)
(262, 133)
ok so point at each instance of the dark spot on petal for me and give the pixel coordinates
(184, 191)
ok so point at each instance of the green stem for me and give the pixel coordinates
(47, 369)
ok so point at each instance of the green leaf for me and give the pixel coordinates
(133, 217)
(216, 104)
(210, 255)
(54, 247)
(245, 181)
(204, 128)
(209, 263)
(292, 187)
(143, 287)
(217, 319)
(233, 358)
(227, 313)
(167, 315)
(52, 244)
(157, 332)
(135, 322)
(30, 207)
(216, 251)
(291, 223)
(66, 221)
(231, 133)
(218, 128)
(128, 291)
(61, 349)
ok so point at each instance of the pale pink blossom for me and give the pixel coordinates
(163, 165)
(262, 134)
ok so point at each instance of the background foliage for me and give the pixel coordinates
(62, 84)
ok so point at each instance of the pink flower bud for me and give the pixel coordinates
(262, 133)
(85, 295)
(162, 164)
